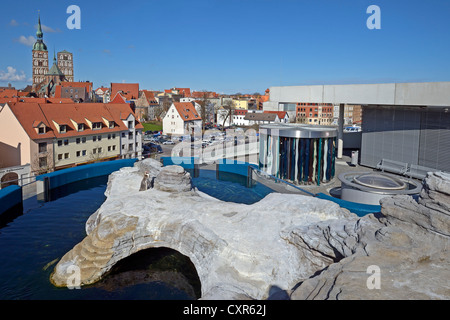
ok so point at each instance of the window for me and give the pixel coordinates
(81, 127)
(130, 124)
(41, 130)
(66, 142)
(114, 147)
(111, 125)
(60, 156)
(123, 135)
(130, 135)
(109, 136)
(83, 140)
(59, 143)
(63, 128)
(130, 146)
(94, 151)
(109, 148)
(42, 147)
(66, 155)
(78, 140)
(83, 152)
(96, 125)
(99, 150)
(113, 135)
(78, 153)
(94, 138)
(99, 138)
(123, 147)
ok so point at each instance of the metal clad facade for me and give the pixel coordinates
(435, 140)
(390, 133)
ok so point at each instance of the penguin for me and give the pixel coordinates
(144, 182)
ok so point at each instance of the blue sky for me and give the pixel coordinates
(231, 46)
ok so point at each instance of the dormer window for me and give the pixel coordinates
(62, 128)
(41, 130)
(81, 127)
(111, 124)
(96, 125)
(130, 124)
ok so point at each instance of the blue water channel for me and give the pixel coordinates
(34, 239)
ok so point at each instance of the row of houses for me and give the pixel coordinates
(50, 136)
(185, 118)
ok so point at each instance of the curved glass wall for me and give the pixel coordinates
(302, 154)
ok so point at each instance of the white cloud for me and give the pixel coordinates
(28, 41)
(13, 23)
(47, 28)
(12, 75)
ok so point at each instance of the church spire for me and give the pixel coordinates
(39, 33)
(39, 45)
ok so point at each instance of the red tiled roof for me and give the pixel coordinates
(31, 114)
(130, 90)
(149, 95)
(185, 91)
(87, 85)
(280, 114)
(59, 100)
(8, 93)
(118, 98)
(36, 100)
(187, 111)
(57, 92)
(240, 112)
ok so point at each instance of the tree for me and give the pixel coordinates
(228, 106)
(43, 163)
(163, 107)
(96, 154)
(203, 108)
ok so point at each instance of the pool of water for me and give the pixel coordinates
(229, 187)
(37, 236)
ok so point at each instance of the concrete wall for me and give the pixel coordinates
(416, 94)
(66, 176)
(10, 197)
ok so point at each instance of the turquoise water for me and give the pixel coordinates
(34, 240)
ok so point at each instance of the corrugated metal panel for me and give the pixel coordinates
(435, 140)
(390, 133)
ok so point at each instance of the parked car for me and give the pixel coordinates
(153, 147)
(168, 142)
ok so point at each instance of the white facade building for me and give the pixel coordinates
(181, 118)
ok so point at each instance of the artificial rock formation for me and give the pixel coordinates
(284, 246)
(236, 248)
(408, 244)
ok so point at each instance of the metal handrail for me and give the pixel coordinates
(265, 174)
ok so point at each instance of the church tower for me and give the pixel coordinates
(40, 57)
(65, 64)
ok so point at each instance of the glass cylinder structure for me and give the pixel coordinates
(302, 154)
